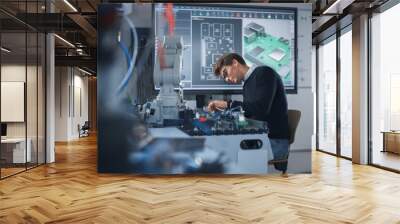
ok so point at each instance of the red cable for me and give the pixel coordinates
(169, 16)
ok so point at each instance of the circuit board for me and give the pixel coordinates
(222, 123)
(261, 48)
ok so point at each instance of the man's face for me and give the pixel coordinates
(231, 73)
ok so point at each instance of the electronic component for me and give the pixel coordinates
(256, 51)
(277, 54)
(256, 28)
(249, 35)
(227, 122)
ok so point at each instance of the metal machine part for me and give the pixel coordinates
(221, 153)
(243, 159)
(167, 72)
(177, 155)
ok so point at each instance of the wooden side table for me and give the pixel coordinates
(391, 141)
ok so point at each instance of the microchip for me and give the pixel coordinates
(248, 32)
(277, 54)
(249, 35)
(256, 51)
(256, 27)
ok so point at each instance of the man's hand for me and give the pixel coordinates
(217, 105)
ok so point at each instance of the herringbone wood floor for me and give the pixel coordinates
(71, 191)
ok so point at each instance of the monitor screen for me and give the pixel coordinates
(3, 129)
(262, 35)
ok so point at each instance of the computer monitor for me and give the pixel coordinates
(262, 35)
(3, 129)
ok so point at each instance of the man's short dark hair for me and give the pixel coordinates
(227, 59)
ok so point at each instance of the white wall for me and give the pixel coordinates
(81, 104)
(61, 103)
(14, 73)
(12, 100)
(17, 73)
(304, 99)
(71, 102)
(314, 90)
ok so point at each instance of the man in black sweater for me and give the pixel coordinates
(264, 99)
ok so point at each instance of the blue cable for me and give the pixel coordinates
(128, 74)
(125, 51)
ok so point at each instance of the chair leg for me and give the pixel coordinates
(284, 168)
(280, 165)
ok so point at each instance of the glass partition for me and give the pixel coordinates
(22, 89)
(385, 89)
(327, 96)
(14, 153)
(346, 93)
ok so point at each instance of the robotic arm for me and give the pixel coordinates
(167, 73)
(168, 67)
